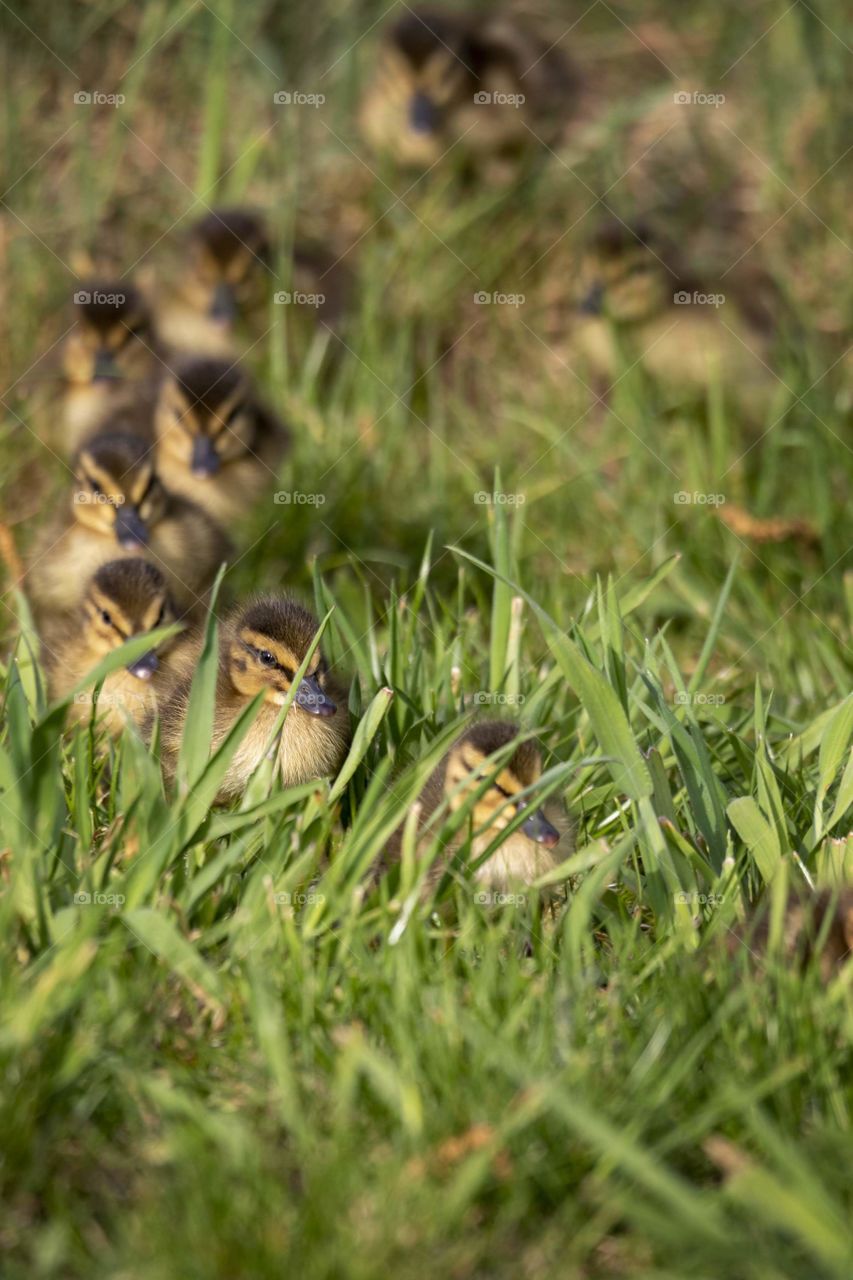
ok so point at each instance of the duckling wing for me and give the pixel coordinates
(189, 546)
(64, 560)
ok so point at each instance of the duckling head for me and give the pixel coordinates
(468, 765)
(430, 59)
(269, 642)
(204, 416)
(116, 489)
(112, 334)
(126, 598)
(227, 268)
(623, 276)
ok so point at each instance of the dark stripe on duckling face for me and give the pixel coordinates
(279, 666)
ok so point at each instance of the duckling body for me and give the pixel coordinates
(529, 852)
(109, 353)
(217, 445)
(222, 282)
(637, 310)
(489, 85)
(124, 598)
(118, 506)
(260, 649)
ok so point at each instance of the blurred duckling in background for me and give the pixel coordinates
(260, 648)
(222, 281)
(124, 599)
(818, 925)
(492, 84)
(118, 505)
(523, 856)
(216, 443)
(637, 307)
(109, 352)
(688, 168)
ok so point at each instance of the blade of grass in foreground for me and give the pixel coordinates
(198, 724)
(598, 698)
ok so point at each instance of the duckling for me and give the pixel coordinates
(118, 504)
(825, 918)
(109, 352)
(260, 648)
(124, 598)
(224, 279)
(693, 168)
(493, 85)
(216, 443)
(636, 305)
(525, 855)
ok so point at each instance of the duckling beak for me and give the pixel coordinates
(593, 303)
(311, 698)
(105, 365)
(223, 308)
(538, 828)
(131, 529)
(423, 116)
(205, 460)
(143, 668)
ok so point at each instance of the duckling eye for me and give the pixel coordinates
(106, 617)
(96, 488)
(265, 658)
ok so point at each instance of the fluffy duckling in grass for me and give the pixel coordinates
(117, 505)
(816, 926)
(124, 599)
(637, 307)
(523, 856)
(686, 167)
(223, 280)
(216, 443)
(260, 648)
(109, 352)
(491, 84)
